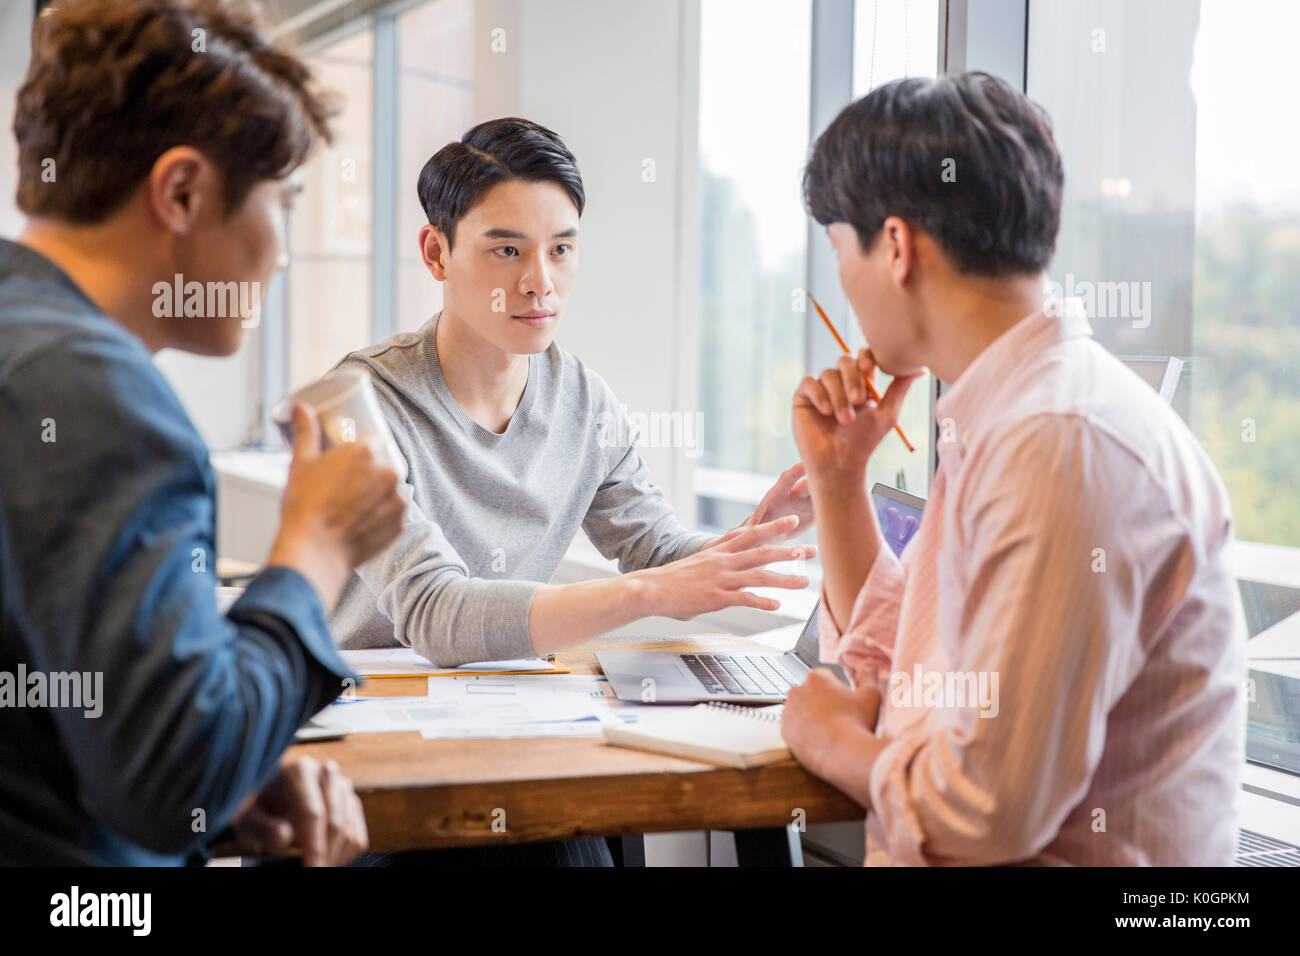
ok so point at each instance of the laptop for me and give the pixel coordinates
(671, 677)
(899, 515)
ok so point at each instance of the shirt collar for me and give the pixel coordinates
(21, 261)
(972, 402)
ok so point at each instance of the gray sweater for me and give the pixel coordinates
(490, 516)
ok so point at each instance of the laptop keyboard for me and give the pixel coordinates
(738, 674)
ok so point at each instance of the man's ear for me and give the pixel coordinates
(900, 246)
(183, 185)
(434, 250)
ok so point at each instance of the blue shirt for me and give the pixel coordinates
(107, 567)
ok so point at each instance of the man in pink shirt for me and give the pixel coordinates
(1053, 671)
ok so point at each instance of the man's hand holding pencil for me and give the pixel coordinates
(837, 425)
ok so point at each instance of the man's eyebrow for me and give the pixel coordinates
(511, 234)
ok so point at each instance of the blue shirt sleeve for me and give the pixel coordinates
(110, 499)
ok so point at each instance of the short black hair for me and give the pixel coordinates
(998, 209)
(498, 151)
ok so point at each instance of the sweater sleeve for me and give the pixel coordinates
(421, 584)
(629, 518)
(424, 587)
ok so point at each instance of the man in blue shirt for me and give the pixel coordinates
(136, 720)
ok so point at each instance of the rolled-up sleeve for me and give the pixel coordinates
(866, 646)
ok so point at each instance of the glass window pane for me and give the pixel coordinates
(435, 106)
(1245, 405)
(893, 39)
(1181, 239)
(329, 230)
(754, 96)
(1181, 230)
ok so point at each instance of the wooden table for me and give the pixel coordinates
(421, 794)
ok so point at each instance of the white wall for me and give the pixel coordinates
(220, 394)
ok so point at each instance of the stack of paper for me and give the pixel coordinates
(467, 707)
(404, 662)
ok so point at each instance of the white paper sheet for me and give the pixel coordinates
(591, 696)
(365, 715)
(395, 661)
(487, 707)
(591, 726)
(519, 686)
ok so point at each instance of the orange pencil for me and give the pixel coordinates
(871, 389)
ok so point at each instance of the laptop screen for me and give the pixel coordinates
(807, 647)
(899, 514)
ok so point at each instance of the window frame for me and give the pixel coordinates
(316, 30)
(830, 89)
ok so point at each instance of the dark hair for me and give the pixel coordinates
(967, 158)
(112, 86)
(500, 150)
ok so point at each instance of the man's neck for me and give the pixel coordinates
(104, 263)
(972, 315)
(486, 382)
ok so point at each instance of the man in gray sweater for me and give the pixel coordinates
(513, 444)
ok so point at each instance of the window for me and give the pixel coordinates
(757, 66)
(434, 107)
(754, 102)
(407, 78)
(1183, 226)
(328, 278)
(892, 40)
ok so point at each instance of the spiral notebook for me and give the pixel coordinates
(728, 735)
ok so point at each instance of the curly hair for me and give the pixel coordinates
(111, 86)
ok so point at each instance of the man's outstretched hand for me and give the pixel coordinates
(789, 496)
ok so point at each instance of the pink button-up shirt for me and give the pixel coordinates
(1061, 648)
